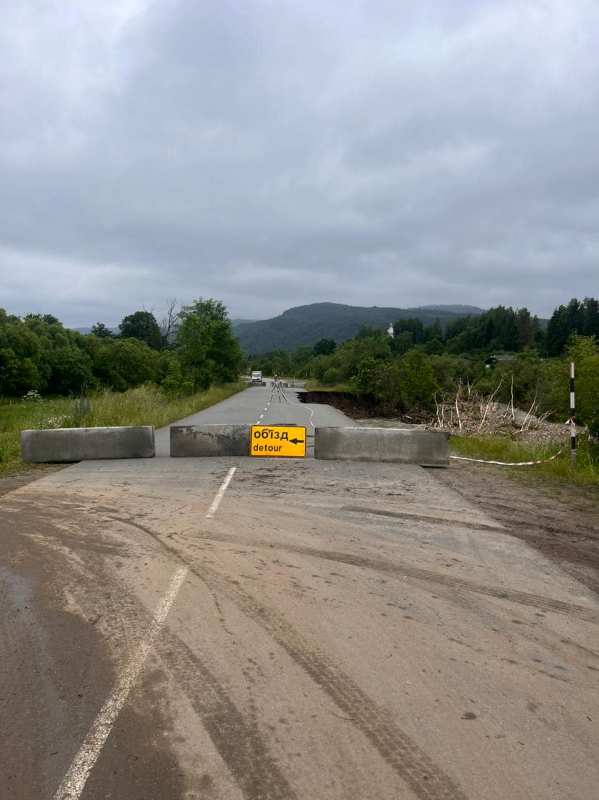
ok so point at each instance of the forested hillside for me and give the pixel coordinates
(305, 325)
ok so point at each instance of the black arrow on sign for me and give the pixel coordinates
(296, 441)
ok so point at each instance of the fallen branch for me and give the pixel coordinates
(457, 405)
(491, 398)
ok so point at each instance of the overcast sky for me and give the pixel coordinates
(273, 153)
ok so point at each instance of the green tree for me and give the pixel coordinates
(584, 352)
(417, 381)
(102, 331)
(434, 347)
(411, 325)
(70, 371)
(142, 325)
(17, 375)
(324, 347)
(400, 386)
(558, 332)
(206, 345)
(402, 342)
(122, 363)
(174, 382)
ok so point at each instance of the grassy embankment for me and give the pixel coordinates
(560, 469)
(146, 405)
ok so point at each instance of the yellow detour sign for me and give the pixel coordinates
(288, 441)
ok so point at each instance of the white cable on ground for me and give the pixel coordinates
(509, 463)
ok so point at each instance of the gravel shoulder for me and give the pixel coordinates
(561, 522)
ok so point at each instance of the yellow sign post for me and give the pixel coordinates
(283, 441)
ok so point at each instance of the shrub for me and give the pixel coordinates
(332, 376)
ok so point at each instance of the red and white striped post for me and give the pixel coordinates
(572, 416)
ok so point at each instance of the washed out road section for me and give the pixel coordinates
(258, 406)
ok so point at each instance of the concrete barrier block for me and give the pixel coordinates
(402, 445)
(210, 440)
(63, 445)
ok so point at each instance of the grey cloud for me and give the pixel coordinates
(271, 154)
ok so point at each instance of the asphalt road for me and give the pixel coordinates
(330, 631)
(258, 405)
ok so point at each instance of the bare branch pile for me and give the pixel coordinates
(469, 413)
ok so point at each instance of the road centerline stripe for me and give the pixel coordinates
(74, 781)
(221, 493)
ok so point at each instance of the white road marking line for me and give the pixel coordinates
(221, 492)
(307, 408)
(74, 781)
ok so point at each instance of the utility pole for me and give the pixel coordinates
(572, 416)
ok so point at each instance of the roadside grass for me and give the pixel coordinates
(145, 405)
(560, 469)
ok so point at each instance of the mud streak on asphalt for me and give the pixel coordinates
(402, 754)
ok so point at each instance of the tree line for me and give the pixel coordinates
(192, 349)
(419, 364)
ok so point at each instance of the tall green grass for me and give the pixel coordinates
(560, 469)
(145, 405)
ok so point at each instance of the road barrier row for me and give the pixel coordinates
(398, 445)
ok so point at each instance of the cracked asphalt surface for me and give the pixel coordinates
(343, 631)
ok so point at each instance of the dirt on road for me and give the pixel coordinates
(560, 521)
(342, 631)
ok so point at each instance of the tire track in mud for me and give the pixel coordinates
(430, 576)
(236, 737)
(403, 755)
(464, 585)
(412, 515)
(412, 764)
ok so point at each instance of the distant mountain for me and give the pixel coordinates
(460, 311)
(305, 325)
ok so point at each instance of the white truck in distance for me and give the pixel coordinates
(256, 379)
